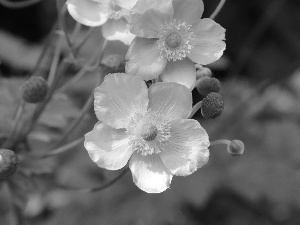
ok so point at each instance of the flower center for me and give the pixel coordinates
(175, 40)
(148, 132)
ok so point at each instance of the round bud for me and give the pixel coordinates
(212, 106)
(203, 72)
(35, 89)
(236, 148)
(8, 163)
(206, 85)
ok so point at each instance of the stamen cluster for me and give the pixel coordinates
(175, 40)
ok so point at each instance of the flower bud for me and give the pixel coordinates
(212, 106)
(115, 62)
(8, 163)
(203, 72)
(236, 148)
(35, 89)
(206, 85)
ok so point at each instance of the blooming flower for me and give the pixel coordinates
(148, 128)
(112, 14)
(170, 38)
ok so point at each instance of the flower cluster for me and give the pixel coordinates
(150, 127)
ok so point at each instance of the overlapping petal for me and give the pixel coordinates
(164, 6)
(87, 12)
(181, 72)
(187, 148)
(117, 30)
(128, 4)
(189, 11)
(208, 43)
(170, 100)
(119, 98)
(109, 148)
(148, 24)
(144, 59)
(149, 173)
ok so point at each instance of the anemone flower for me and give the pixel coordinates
(113, 15)
(147, 127)
(171, 37)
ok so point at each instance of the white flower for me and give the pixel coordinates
(148, 128)
(171, 37)
(112, 14)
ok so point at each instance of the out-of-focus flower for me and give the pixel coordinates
(148, 128)
(114, 15)
(170, 38)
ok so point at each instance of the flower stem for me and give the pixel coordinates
(220, 142)
(62, 149)
(85, 68)
(96, 189)
(218, 9)
(195, 108)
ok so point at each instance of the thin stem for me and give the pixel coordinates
(55, 61)
(195, 108)
(85, 68)
(8, 143)
(75, 32)
(63, 148)
(96, 189)
(218, 9)
(220, 142)
(45, 48)
(16, 5)
(76, 122)
(84, 39)
(63, 26)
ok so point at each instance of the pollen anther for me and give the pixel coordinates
(175, 40)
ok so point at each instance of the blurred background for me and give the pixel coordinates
(260, 75)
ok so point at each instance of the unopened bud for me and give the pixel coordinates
(8, 163)
(206, 85)
(35, 89)
(236, 148)
(203, 72)
(212, 106)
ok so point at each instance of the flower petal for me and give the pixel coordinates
(187, 148)
(149, 173)
(109, 148)
(128, 4)
(117, 30)
(161, 5)
(181, 72)
(148, 24)
(189, 11)
(170, 100)
(208, 44)
(144, 59)
(119, 98)
(87, 12)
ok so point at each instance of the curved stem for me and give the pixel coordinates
(218, 9)
(62, 149)
(96, 189)
(9, 142)
(195, 108)
(220, 142)
(85, 68)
